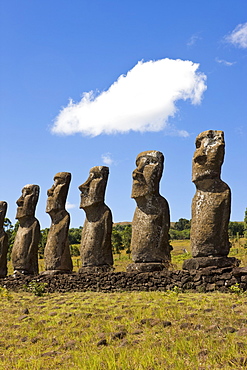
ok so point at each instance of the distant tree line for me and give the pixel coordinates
(236, 229)
(180, 229)
(245, 224)
(121, 235)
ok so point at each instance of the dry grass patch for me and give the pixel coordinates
(141, 331)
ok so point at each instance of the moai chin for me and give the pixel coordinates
(57, 254)
(151, 222)
(96, 248)
(3, 240)
(211, 204)
(25, 249)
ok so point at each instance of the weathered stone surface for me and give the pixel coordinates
(145, 267)
(125, 281)
(25, 249)
(212, 201)
(3, 240)
(96, 249)
(202, 262)
(151, 222)
(97, 269)
(57, 253)
(240, 271)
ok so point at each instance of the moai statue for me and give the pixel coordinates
(150, 226)
(25, 249)
(57, 254)
(3, 241)
(211, 205)
(96, 248)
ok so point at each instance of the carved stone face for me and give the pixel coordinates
(93, 190)
(57, 194)
(3, 210)
(27, 201)
(147, 175)
(208, 156)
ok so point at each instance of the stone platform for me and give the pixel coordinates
(202, 280)
(197, 263)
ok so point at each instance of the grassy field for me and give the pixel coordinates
(126, 331)
(123, 331)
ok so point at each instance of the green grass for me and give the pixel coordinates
(181, 251)
(239, 250)
(62, 331)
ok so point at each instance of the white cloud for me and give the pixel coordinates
(192, 40)
(142, 100)
(107, 159)
(238, 36)
(172, 131)
(68, 205)
(225, 62)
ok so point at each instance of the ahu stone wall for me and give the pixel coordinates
(203, 280)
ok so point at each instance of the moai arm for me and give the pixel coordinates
(107, 245)
(164, 237)
(35, 239)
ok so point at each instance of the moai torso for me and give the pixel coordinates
(212, 201)
(96, 248)
(3, 241)
(57, 254)
(25, 249)
(150, 227)
(151, 221)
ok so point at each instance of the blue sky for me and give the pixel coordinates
(56, 51)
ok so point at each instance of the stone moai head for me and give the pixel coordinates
(147, 175)
(209, 155)
(93, 190)
(3, 210)
(57, 194)
(27, 201)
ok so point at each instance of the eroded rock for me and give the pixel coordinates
(25, 249)
(211, 204)
(57, 253)
(96, 249)
(151, 221)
